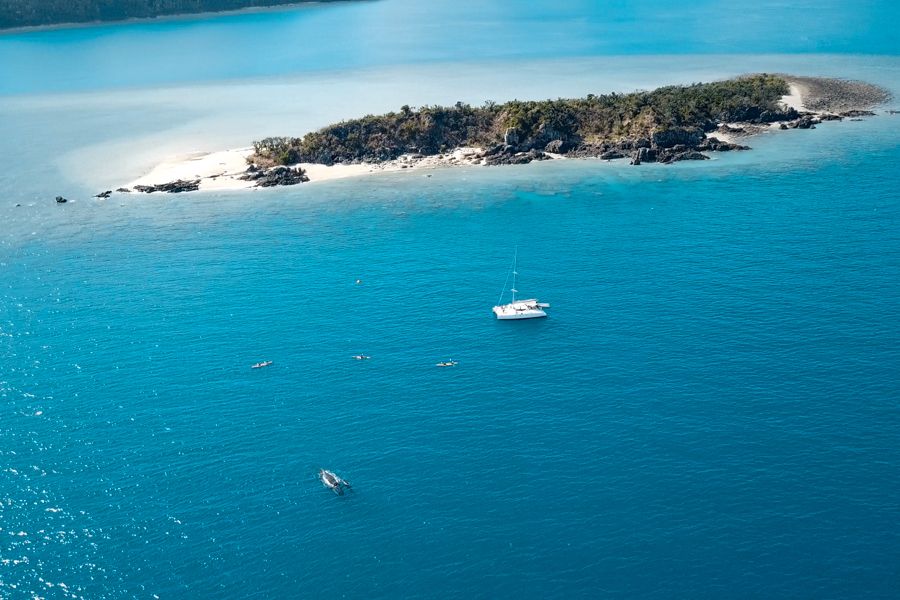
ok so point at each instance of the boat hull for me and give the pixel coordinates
(520, 316)
(516, 311)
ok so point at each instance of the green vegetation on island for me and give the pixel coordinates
(26, 13)
(672, 116)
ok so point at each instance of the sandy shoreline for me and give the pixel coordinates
(795, 98)
(222, 170)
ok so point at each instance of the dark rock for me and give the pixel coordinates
(173, 187)
(858, 113)
(642, 143)
(516, 158)
(709, 125)
(830, 117)
(556, 147)
(643, 155)
(725, 129)
(548, 134)
(105, 194)
(714, 144)
(783, 126)
(123, 190)
(588, 150)
(61, 200)
(611, 155)
(689, 155)
(804, 122)
(687, 136)
(275, 176)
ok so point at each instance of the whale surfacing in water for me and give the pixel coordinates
(333, 482)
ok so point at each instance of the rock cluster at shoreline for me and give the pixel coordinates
(278, 175)
(172, 187)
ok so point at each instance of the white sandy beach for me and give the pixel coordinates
(795, 98)
(222, 170)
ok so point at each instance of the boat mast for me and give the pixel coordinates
(514, 274)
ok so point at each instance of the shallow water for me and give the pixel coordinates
(389, 32)
(711, 409)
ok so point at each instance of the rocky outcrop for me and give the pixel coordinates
(659, 148)
(714, 144)
(858, 113)
(557, 147)
(508, 155)
(511, 137)
(807, 121)
(685, 136)
(642, 155)
(61, 200)
(275, 176)
(686, 155)
(173, 187)
(104, 195)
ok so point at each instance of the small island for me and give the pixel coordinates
(666, 125)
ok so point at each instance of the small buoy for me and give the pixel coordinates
(358, 281)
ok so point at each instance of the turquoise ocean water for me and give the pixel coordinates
(711, 411)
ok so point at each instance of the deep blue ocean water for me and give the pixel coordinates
(711, 411)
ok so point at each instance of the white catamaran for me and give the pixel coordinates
(518, 309)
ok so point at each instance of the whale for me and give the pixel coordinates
(333, 482)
